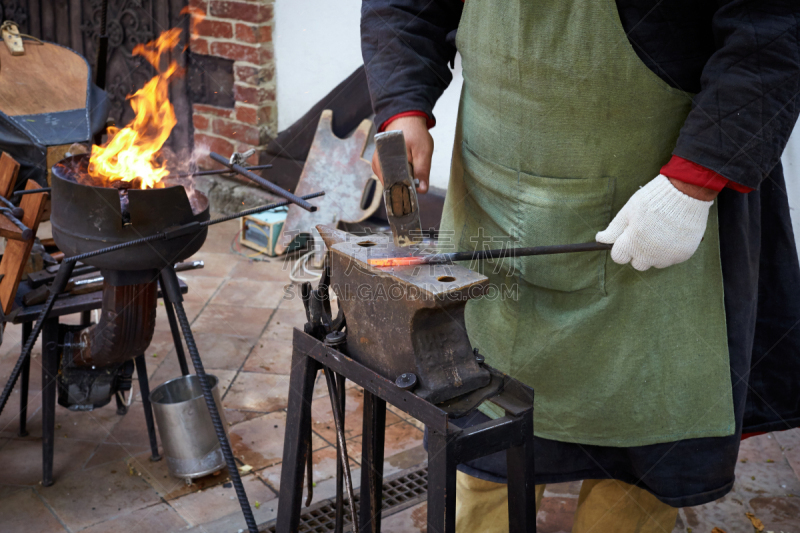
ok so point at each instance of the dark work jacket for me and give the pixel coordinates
(742, 59)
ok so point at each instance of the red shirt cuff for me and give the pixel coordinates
(429, 122)
(689, 172)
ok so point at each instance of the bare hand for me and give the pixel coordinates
(419, 144)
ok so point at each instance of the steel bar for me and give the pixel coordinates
(271, 187)
(341, 444)
(172, 291)
(58, 285)
(372, 454)
(341, 398)
(215, 171)
(298, 431)
(49, 376)
(31, 191)
(26, 233)
(500, 253)
(23, 390)
(144, 388)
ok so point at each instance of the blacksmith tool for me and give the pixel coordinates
(399, 190)
(271, 187)
(501, 253)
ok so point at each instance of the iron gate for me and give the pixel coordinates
(76, 23)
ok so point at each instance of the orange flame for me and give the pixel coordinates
(133, 152)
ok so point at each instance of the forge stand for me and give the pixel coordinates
(447, 445)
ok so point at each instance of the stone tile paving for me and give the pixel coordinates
(242, 314)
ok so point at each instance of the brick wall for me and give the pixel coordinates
(241, 31)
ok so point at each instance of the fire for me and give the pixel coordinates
(133, 152)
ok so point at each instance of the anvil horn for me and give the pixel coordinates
(332, 235)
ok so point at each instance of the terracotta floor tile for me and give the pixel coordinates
(201, 288)
(157, 475)
(402, 448)
(191, 308)
(323, 489)
(26, 457)
(223, 351)
(232, 320)
(281, 327)
(217, 265)
(91, 426)
(556, 515)
(220, 236)
(107, 453)
(159, 518)
(777, 513)
(218, 501)
(275, 270)
(767, 471)
(9, 418)
(88, 497)
(250, 293)
(24, 512)
(322, 417)
(258, 392)
(258, 442)
(270, 357)
(411, 520)
(790, 442)
(131, 430)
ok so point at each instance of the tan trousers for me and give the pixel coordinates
(603, 506)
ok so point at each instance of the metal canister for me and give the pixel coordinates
(187, 434)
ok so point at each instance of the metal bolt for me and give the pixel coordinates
(406, 381)
(478, 357)
(335, 338)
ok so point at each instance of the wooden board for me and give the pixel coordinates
(47, 79)
(16, 255)
(9, 169)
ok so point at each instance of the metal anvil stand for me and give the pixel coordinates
(447, 445)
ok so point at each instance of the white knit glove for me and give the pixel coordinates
(659, 226)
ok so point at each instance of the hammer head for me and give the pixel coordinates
(399, 189)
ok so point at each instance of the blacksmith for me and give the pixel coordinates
(654, 125)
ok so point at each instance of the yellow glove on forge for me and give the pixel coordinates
(658, 227)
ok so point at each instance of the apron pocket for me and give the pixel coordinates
(563, 211)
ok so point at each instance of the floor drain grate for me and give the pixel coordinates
(400, 491)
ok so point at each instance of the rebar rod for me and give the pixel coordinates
(271, 187)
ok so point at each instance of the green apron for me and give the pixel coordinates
(559, 124)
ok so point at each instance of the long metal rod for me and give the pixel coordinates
(442, 258)
(173, 294)
(333, 392)
(180, 175)
(271, 187)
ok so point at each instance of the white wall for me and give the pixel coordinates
(791, 170)
(317, 45)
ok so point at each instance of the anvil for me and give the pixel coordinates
(406, 319)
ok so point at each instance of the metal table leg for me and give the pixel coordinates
(26, 378)
(49, 374)
(521, 483)
(144, 388)
(173, 327)
(296, 447)
(374, 430)
(441, 484)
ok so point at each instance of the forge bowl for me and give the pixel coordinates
(86, 218)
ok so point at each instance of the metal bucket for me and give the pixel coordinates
(187, 434)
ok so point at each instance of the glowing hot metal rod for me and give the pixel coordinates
(443, 258)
